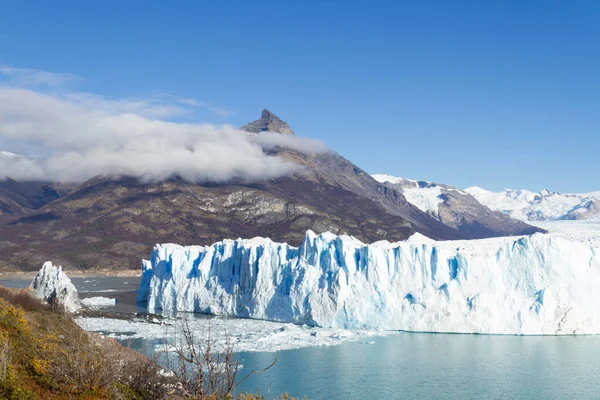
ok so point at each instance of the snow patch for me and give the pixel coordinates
(383, 178)
(425, 199)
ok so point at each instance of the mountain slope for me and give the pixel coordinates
(457, 209)
(543, 206)
(113, 222)
(109, 222)
(17, 198)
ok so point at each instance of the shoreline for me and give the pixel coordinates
(73, 274)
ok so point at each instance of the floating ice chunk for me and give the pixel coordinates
(243, 334)
(97, 302)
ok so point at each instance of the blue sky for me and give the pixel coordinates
(490, 93)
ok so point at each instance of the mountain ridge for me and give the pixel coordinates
(546, 205)
(457, 208)
(113, 221)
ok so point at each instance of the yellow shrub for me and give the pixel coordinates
(13, 318)
(39, 366)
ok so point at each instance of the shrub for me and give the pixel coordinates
(22, 299)
(203, 369)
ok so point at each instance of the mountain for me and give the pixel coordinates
(456, 208)
(18, 198)
(268, 122)
(112, 222)
(542, 206)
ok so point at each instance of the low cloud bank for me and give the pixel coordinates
(78, 136)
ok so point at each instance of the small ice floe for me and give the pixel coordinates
(243, 334)
(165, 373)
(97, 302)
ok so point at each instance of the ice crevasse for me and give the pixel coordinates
(539, 284)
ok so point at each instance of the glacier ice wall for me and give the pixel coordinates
(52, 285)
(537, 284)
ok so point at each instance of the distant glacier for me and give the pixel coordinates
(539, 284)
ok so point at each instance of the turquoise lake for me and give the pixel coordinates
(409, 365)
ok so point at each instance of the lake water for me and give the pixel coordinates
(409, 365)
(437, 366)
(124, 289)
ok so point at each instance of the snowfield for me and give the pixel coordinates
(546, 205)
(426, 199)
(539, 284)
(586, 231)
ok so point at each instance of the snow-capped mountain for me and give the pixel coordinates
(539, 284)
(455, 208)
(542, 206)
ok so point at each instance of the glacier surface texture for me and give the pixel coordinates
(539, 284)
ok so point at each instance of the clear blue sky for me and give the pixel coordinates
(489, 93)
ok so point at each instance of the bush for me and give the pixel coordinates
(204, 369)
(23, 299)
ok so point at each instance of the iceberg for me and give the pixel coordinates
(98, 302)
(538, 284)
(54, 287)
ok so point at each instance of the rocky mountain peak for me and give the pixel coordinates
(268, 115)
(268, 122)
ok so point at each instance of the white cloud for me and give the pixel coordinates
(156, 105)
(35, 77)
(83, 135)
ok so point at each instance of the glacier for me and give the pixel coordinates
(53, 286)
(538, 284)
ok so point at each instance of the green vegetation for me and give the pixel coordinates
(44, 354)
